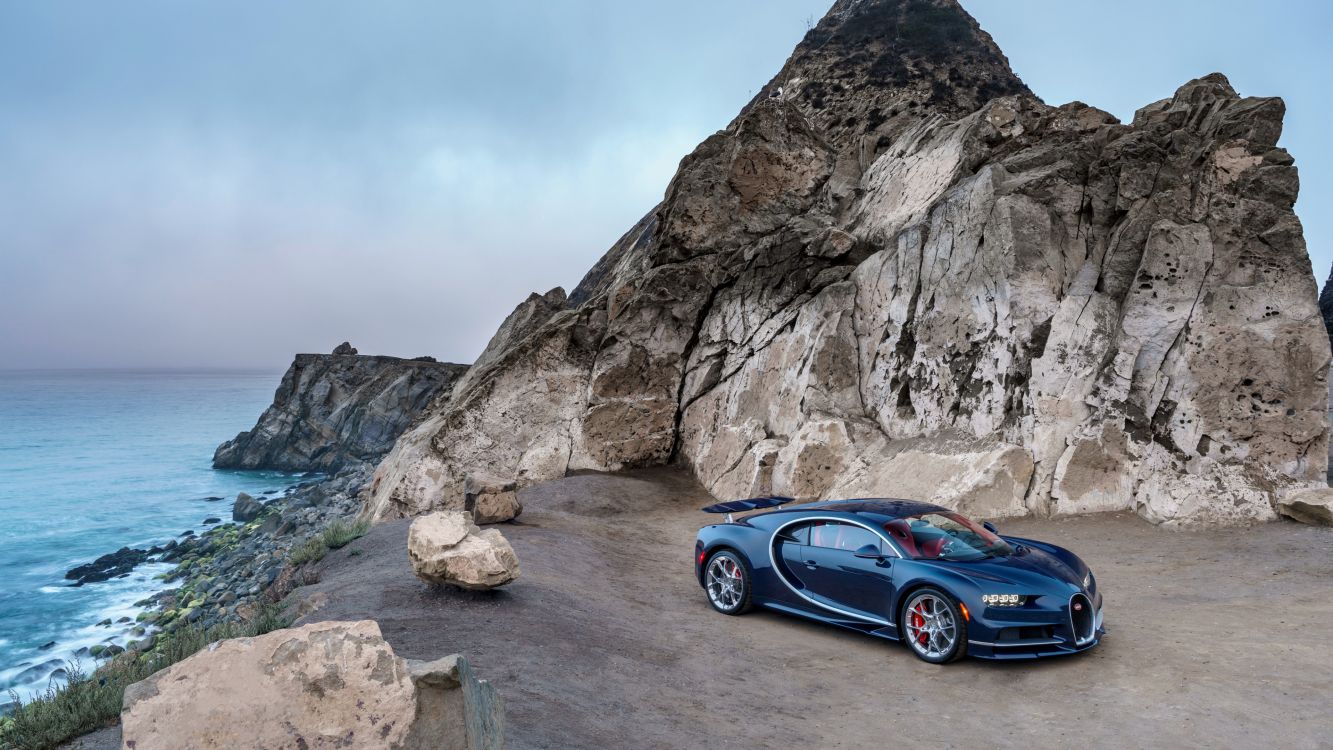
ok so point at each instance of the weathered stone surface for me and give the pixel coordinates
(896, 256)
(491, 500)
(1326, 311)
(335, 410)
(246, 508)
(344, 349)
(1312, 505)
(448, 548)
(325, 685)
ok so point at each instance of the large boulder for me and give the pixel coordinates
(246, 508)
(491, 500)
(446, 547)
(325, 685)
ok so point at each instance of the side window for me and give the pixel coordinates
(799, 533)
(854, 538)
(843, 536)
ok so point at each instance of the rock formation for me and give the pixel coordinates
(446, 547)
(1326, 312)
(334, 410)
(331, 684)
(899, 273)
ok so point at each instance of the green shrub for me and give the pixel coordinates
(87, 702)
(340, 533)
(311, 550)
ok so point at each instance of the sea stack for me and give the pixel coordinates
(332, 411)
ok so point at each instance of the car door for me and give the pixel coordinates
(837, 577)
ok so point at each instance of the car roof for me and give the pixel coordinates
(878, 509)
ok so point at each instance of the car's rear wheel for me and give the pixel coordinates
(727, 580)
(933, 626)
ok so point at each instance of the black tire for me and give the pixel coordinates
(725, 598)
(954, 652)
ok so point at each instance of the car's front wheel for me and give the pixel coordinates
(727, 580)
(934, 627)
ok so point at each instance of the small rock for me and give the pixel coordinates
(311, 604)
(47, 646)
(246, 508)
(1313, 506)
(490, 500)
(344, 349)
(211, 521)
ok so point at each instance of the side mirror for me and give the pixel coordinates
(988, 526)
(870, 551)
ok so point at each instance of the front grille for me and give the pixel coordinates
(1082, 619)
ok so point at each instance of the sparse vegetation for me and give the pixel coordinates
(87, 702)
(338, 534)
(311, 551)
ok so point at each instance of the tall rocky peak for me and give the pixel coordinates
(898, 273)
(871, 65)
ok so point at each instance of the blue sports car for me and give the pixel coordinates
(902, 570)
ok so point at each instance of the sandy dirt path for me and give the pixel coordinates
(1218, 638)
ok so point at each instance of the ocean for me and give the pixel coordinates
(92, 461)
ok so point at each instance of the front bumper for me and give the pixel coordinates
(1015, 634)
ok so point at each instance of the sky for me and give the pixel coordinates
(217, 184)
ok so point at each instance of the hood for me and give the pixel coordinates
(1028, 566)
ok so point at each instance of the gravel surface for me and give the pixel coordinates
(1218, 639)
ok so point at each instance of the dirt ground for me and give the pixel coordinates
(1217, 639)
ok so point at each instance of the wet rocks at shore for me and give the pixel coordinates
(111, 565)
(226, 572)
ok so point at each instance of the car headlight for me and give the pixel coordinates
(1003, 600)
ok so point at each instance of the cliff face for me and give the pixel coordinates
(332, 410)
(897, 273)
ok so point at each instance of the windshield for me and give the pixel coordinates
(945, 536)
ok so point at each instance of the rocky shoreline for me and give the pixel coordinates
(225, 573)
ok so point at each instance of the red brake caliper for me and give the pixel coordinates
(919, 623)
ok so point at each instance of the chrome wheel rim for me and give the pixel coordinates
(931, 628)
(725, 584)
